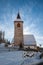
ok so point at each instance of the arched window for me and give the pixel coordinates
(18, 25)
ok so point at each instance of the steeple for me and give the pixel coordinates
(18, 16)
(18, 35)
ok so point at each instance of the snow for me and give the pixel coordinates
(17, 58)
(29, 40)
(11, 58)
(18, 20)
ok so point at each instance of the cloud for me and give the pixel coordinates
(9, 31)
(7, 25)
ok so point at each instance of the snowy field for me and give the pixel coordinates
(18, 57)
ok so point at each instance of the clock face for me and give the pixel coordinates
(18, 25)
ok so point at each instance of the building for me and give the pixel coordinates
(18, 31)
(29, 42)
(19, 38)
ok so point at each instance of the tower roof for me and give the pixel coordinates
(18, 16)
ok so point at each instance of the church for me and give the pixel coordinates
(19, 38)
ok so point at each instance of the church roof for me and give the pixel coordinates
(29, 40)
(18, 18)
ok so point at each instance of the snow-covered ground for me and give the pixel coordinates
(18, 58)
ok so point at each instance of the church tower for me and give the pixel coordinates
(18, 31)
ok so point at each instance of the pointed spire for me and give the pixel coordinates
(18, 16)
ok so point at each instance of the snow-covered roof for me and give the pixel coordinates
(29, 40)
(18, 20)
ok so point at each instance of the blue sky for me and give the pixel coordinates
(31, 12)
